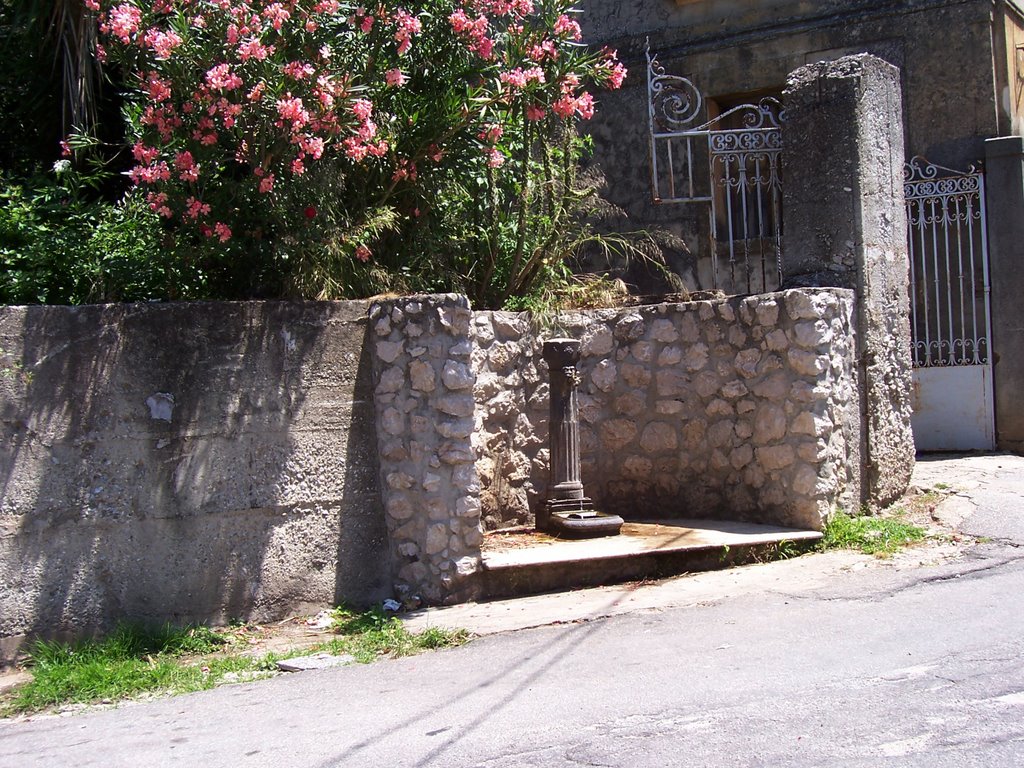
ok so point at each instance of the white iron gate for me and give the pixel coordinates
(731, 164)
(950, 317)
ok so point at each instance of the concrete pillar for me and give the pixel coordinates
(1004, 200)
(845, 226)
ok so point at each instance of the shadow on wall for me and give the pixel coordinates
(185, 462)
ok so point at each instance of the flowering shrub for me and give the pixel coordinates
(323, 127)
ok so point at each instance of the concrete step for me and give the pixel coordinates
(526, 564)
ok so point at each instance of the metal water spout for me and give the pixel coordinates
(567, 509)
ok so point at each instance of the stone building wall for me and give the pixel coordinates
(736, 51)
(741, 408)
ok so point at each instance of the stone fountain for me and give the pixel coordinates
(568, 510)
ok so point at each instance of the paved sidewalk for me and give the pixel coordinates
(962, 477)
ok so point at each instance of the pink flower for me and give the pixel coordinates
(355, 148)
(585, 105)
(362, 109)
(150, 174)
(494, 157)
(144, 154)
(195, 208)
(491, 133)
(162, 43)
(124, 21)
(567, 27)
(367, 130)
(363, 253)
(564, 107)
(186, 166)
(254, 49)
(223, 231)
(293, 110)
(298, 70)
(184, 160)
(394, 77)
(406, 170)
(267, 183)
(158, 204)
(407, 26)
(221, 77)
(313, 145)
(534, 112)
(519, 78)
(611, 70)
(475, 30)
(158, 89)
(277, 15)
(545, 50)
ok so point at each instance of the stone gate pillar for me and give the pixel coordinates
(845, 226)
(1004, 197)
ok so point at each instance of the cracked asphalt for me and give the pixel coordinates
(827, 660)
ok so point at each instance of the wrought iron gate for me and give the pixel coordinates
(950, 313)
(730, 163)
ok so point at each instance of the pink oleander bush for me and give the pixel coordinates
(340, 138)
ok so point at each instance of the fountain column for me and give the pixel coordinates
(567, 508)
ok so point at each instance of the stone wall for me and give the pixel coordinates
(424, 402)
(853, 234)
(185, 462)
(201, 462)
(741, 408)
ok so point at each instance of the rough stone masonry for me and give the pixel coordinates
(741, 408)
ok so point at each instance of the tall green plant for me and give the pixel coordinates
(320, 134)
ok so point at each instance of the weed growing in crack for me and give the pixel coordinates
(879, 536)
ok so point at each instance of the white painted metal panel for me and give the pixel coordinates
(953, 409)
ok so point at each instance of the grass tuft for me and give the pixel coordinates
(375, 633)
(879, 536)
(134, 660)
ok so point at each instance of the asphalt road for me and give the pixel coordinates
(881, 667)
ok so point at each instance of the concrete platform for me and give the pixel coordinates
(643, 550)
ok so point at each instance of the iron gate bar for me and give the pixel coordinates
(743, 171)
(953, 201)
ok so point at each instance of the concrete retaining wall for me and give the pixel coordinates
(185, 462)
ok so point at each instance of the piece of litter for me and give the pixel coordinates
(391, 605)
(316, 661)
(322, 620)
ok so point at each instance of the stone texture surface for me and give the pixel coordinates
(185, 462)
(424, 404)
(853, 234)
(676, 420)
